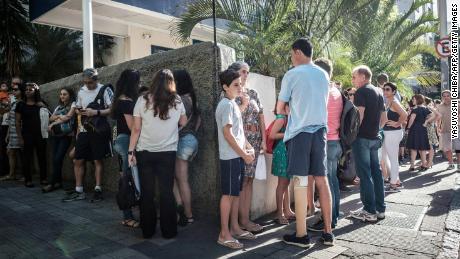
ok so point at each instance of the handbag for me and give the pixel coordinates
(126, 195)
(64, 128)
(261, 168)
(98, 124)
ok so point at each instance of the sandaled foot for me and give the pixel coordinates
(130, 223)
(246, 235)
(233, 243)
(8, 178)
(254, 228)
(282, 221)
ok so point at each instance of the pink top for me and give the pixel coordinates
(334, 112)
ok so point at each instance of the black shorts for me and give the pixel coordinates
(92, 146)
(231, 176)
(306, 154)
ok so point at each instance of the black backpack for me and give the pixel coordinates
(349, 123)
(347, 168)
(98, 124)
(126, 196)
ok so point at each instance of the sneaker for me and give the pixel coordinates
(74, 196)
(318, 227)
(451, 166)
(97, 196)
(458, 167)
(380, 215)
(363, 215)
(297, 241)
(328, 239)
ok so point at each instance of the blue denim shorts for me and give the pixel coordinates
(187, 147)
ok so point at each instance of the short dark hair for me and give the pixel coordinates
(304, 45)
(325, 64)
(382, 78)
(363, 70)
(419, 99)
(226, 77)
(428, 100)
(393, 86)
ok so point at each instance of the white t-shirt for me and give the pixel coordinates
(158, 135)
(228, 112)
(86, 96)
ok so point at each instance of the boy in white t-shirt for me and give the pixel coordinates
(234, 151)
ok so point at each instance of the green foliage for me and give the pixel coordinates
(14, 38)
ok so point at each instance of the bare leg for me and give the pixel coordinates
(311, 195)
(184, 187)
(12, 160)
(176, 193)
(326, 201)
(79, 172)
(449, 156)
(98, 171)
(300, 196)
(245, 203)
(235, 228)
(225, 208)
(413, 155)
(430, 156)
(423, 157)
(279, 198)
(288, 213)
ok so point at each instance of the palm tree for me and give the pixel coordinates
(263, 30)
(56, 53)
(385, 41)
(15, 37)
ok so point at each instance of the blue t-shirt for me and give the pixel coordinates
(306, 88)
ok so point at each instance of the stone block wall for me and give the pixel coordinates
(198, 61)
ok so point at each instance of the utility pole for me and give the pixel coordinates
(442, 15)
(87, 16)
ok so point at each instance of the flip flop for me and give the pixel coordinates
(282, 221)
(130, 223)
(255, 230)
(233, 244)
(246, 235)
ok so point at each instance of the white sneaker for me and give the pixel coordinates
(380, 215)
(451, 166)
(363, 215)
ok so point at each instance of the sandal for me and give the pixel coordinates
(246, 235)
(282, 221)
(256, 229)
(8, 178)
(130, 223)
(233, 244)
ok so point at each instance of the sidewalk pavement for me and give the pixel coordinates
(422, 221)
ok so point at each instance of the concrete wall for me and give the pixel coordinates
(263, 199)
(197, 59)
(204, 170)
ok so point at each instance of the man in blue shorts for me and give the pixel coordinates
(306, 89)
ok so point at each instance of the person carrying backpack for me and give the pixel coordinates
(93, 139)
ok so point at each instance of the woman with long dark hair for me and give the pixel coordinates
(126, 93)
(29, 130)
(188, 145)
(62, 130)
(153, 146)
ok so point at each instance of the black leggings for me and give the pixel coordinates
(160, 165)
(4, 164)
(38, 144)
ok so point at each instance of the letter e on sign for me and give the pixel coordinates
(443, 47)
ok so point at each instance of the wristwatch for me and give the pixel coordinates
(131, 152)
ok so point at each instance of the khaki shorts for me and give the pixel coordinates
(445, 142)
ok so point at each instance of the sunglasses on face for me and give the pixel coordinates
(351, 94)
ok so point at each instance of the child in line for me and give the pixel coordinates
(234, 152)
(279, 166)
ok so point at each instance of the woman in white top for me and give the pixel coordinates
(153, 146)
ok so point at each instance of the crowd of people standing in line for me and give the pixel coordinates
(312, 132)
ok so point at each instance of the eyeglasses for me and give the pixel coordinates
(388, 89)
